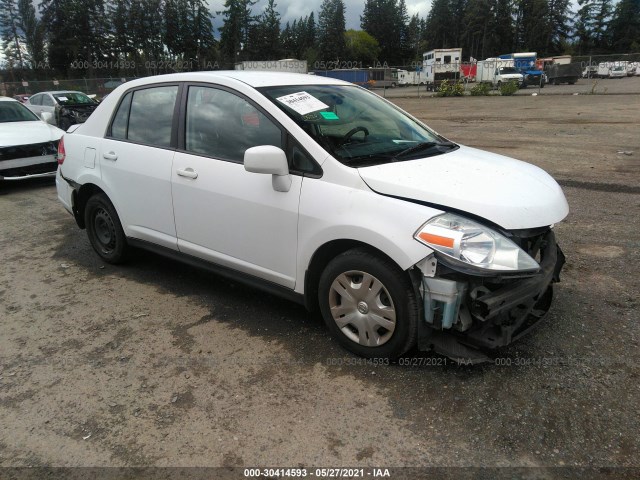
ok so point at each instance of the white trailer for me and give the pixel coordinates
(406, 77)
(441, 64)
(497, 71)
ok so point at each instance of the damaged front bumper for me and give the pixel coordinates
(467, 315)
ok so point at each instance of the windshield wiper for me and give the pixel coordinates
(421, 146)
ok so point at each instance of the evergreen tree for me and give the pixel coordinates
(331, 29)
(287, 41)
(583, 27)
(625, 27)
(12, 38)
(591, 27)
(504, 35)
(234, 33)
(269, 27)
(200, 42)
(55, 15)
(386, 21)
(33, 33)
(601, 33)
(437, 30)
(414, 34)
(533, 29)
(478, 36)
(118, 12)
(458, 27)
(402, 24)
(176, 27)
(559, 25)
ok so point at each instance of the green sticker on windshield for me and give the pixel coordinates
(329, 116)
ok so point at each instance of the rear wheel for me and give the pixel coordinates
(369, 305)
(104, 229)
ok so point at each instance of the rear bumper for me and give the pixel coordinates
(498, 311)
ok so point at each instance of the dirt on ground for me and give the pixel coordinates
(158, 364)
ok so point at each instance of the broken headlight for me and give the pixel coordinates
(473, 244)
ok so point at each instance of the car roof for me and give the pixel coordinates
(7, 99)
(58, 92)
(254, 78)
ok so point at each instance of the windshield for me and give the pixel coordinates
(16, 112)
(506, 70)
(72, 98)
(355, 126)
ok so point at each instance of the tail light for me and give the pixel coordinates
(61, 153)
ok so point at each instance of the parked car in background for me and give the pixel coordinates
(28, 145)
(590, 71)
(66, 107)
(327, 194)
(21, 98)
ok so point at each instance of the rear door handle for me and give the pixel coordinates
(110, 156)
(187, 172)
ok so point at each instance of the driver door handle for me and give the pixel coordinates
(110, 156)
(187, 172)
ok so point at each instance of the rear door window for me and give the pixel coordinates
(146, 116)
(47, 101)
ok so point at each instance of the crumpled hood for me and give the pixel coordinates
(507, 192)
(27, 133)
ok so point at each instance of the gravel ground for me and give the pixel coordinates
(158, 364)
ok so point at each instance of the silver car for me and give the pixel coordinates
(66, 107)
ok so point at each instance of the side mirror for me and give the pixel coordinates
(272, 161)
(46, 117)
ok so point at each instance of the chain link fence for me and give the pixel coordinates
(386, 82)
(98, 86)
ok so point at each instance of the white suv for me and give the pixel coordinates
(327, 194)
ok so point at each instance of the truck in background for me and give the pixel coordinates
(497, 71)
(525, 63)
(441, 64)
(612, 69)
(559, 69)
(290, 65)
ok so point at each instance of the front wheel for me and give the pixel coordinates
(104, 229)
(369, 305)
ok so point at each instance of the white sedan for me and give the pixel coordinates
(325, 193)
(28, 145)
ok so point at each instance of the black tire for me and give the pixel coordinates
(394, 295)
(105, 230)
